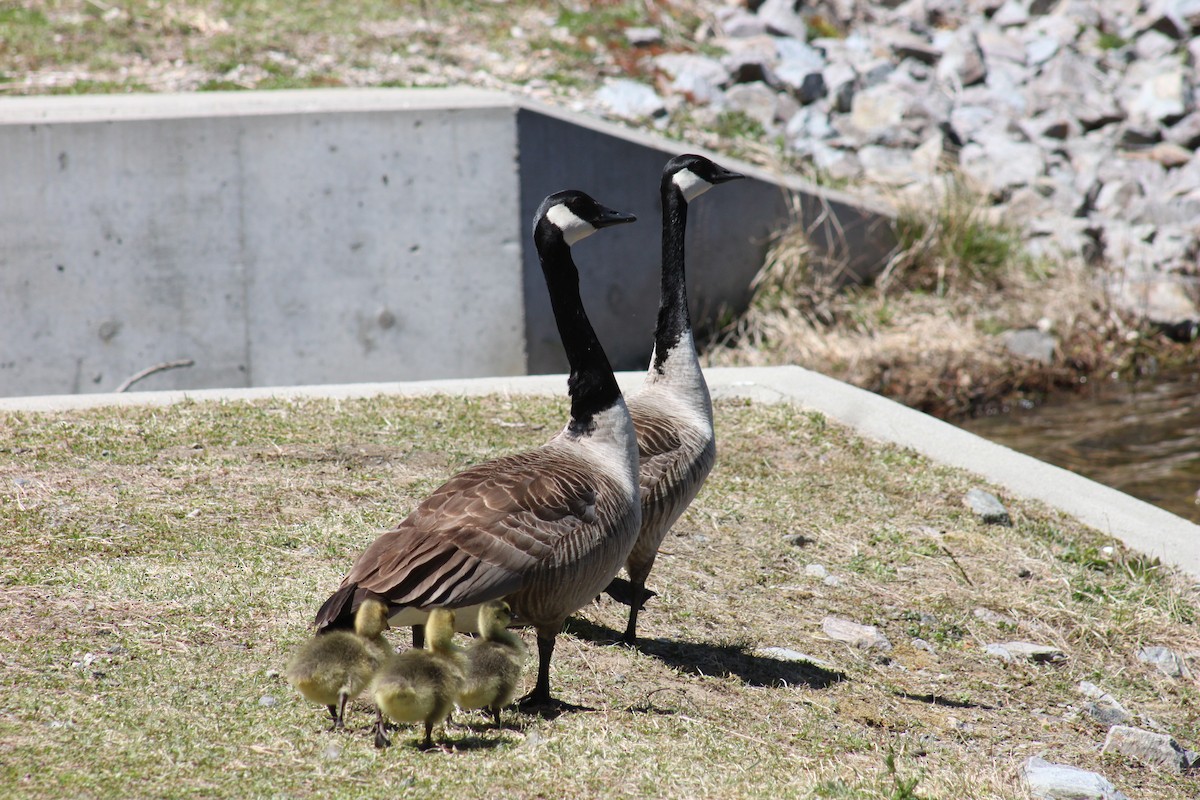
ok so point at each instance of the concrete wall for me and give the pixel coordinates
(343, 235)
(272, 239)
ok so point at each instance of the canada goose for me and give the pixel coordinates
(547, 528)
(672, 412)
(420, 685)
(494, 662)
(334, 667)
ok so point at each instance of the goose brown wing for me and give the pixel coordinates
(659, 449)
(481, 534)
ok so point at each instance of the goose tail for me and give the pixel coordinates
(338, 611)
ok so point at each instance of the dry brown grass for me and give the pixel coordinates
(929, 331)
(158, 565)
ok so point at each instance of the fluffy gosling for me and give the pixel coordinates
(335, 667)
(494, 662)
(421, 685)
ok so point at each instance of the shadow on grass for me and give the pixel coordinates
(702, 658)
(936, 700)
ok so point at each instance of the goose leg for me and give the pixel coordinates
(339, 721)
(333, 715)
(540, 696)
(539, 700)
(418, 636)
(638, 598)
(427, 743)
(381, 740)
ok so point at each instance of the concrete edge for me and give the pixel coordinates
(1137, 524)
(47, 109)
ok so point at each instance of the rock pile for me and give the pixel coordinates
(1079, 118)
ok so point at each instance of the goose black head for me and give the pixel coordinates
(576, 215)
(694, 175)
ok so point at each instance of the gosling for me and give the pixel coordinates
(494, 662)
(335, 667)
(421, 685)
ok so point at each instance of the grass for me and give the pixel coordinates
(953, 242)
(187, 45)
(160, 564)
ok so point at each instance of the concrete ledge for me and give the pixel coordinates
(1137, 524)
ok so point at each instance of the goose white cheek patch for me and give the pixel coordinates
(691, 184)
(573, 228)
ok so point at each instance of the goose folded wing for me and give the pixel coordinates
(477, 537)
(660, 449)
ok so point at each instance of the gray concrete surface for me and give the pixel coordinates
(1139, 525)
(274, 238)
(332, 236)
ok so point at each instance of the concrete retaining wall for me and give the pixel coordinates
(341, 236)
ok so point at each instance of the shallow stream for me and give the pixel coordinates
(1142, 438)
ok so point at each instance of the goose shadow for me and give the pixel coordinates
(703, 658)
(938, 700)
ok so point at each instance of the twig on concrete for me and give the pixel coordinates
(148, 371)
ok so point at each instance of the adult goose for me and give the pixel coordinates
(672, 412)
(546, 529)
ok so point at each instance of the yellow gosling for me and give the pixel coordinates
(421, 685)
(494, 662)
(333, 668)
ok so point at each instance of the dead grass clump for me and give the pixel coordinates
(930, 330)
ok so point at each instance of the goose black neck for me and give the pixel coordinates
(673, 318)
(591, 384)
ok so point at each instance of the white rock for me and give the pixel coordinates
(962, 60)
(1041, 49)
(835, 162)
(1011, 13)
(780, 17)
(878, 109)
(1166, 660)
(987, 507)
(864, 637)
(1156, 91)
(1000, 45)
(887, 165)
(811, 123)
(999, 651)
(1153, 45)
(992, 617)
(1031, 344)
(1000, 164)
(1046, 781)
(1154, 749)
(738, 22)
(643, 37)
(757, 101)
(629, 99)
(1026, 651)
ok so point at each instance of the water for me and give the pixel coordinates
(1142, 438)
